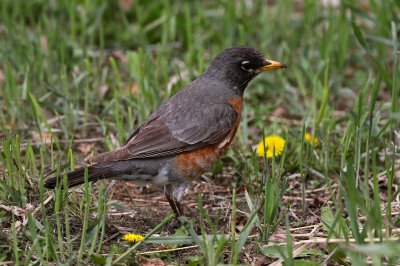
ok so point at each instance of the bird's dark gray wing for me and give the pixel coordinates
(176, 128)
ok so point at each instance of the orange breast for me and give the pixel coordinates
(194, 163)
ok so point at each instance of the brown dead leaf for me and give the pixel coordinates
(103, 90)
(261, 261)
(239, 228)
(20, 212)
(43, 41)
(279, 235)
(45, 135)
(240, 221)
(119, 56)
(17, 211)
(148, 262)
(2, 78)
(279, 112)
(125, 4)
(134, 88)
(86, 148)
(88, 158)
(243, 188)
(164, 246)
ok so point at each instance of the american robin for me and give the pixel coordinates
(187, 134)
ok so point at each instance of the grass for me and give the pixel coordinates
(76, 77)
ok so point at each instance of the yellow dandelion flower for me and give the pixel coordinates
(270, 143)
(132, 238)
(310, 139)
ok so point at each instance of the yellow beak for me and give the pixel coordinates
(271, 65)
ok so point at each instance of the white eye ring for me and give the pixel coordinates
(243, 66)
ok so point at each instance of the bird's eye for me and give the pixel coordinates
(245, 65)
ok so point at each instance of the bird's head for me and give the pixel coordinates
(239, 65)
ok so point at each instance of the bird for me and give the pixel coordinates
(186, 134)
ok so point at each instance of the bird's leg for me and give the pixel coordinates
(174, 206)
(174, 194)
(180, 208)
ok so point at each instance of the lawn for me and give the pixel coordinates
(78, 76)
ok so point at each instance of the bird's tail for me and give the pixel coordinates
(77, 177)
